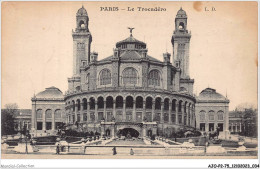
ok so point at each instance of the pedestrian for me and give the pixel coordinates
(131, 151)
(114, 151)
(57, 148)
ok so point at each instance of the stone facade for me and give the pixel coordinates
(131, 89)
(212, 110)
(47, 112)
(128, 91)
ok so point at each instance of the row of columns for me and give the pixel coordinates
(236, 127)
(21, 125)
(35, 120)
(189, 114)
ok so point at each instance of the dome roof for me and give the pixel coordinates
(130, 39)
(181, 13)
(210, 94)
(50, 93)
(82, 12)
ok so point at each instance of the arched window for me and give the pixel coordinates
(139, 102)
(100, 102)
(174, 105)
(105, 77)
(57, 114)
(181, 25)
(158, 103)
(109, 102)
(180, 106)
(211, 115)
(220, 115)
(149, 103)
(48, 113)
(130, 76)
(78, 105)
(119, 102)
(39, 114)
(92, 103)
(166, 104)
(129, 102)
(202, 115)
(81, 24)
(154, 78)
(85, 104)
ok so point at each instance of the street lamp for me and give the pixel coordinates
(26, 137)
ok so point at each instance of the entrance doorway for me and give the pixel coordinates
(149, 133)
(211, 127)
(128, 132)
(220, 125)
(107, 132)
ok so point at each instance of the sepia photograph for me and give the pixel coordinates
(129, 80)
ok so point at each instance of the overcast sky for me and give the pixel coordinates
(37, 43)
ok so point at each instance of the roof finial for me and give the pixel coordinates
(181, 8)
(131, 31)
(226, 94)
(166, 47)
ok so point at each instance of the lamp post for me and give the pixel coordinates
(26, 136)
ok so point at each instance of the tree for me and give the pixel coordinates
(244, 106)
(249, 118)
(7, 119)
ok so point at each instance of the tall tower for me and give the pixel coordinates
(181, 44)
(81, 41)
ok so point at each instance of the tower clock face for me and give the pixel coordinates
(82, 25)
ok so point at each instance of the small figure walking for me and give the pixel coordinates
(114, 151)
(131, 151)
(58, 148)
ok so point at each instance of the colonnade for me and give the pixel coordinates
(171, 111)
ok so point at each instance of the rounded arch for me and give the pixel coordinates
(105, 76)
(48, 114)
(220, 115)
(130, 76)
(166, 103)
(128, 132)
(100, 102)
(39, 113)
(202, 115)
(78, 104)
(109, 102)
(57, 114)
(129, 102)
(185, 106)
(149, 95)
(139, 102)
(149, 102)
(73, 105)
(92, 103)
(174, 101)
(180, 105)
(81, 24)
(211, 115)
(119, 102)
(181, 25)
(85, 104)
(158, 101)
(154, 77)
(115, 96)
